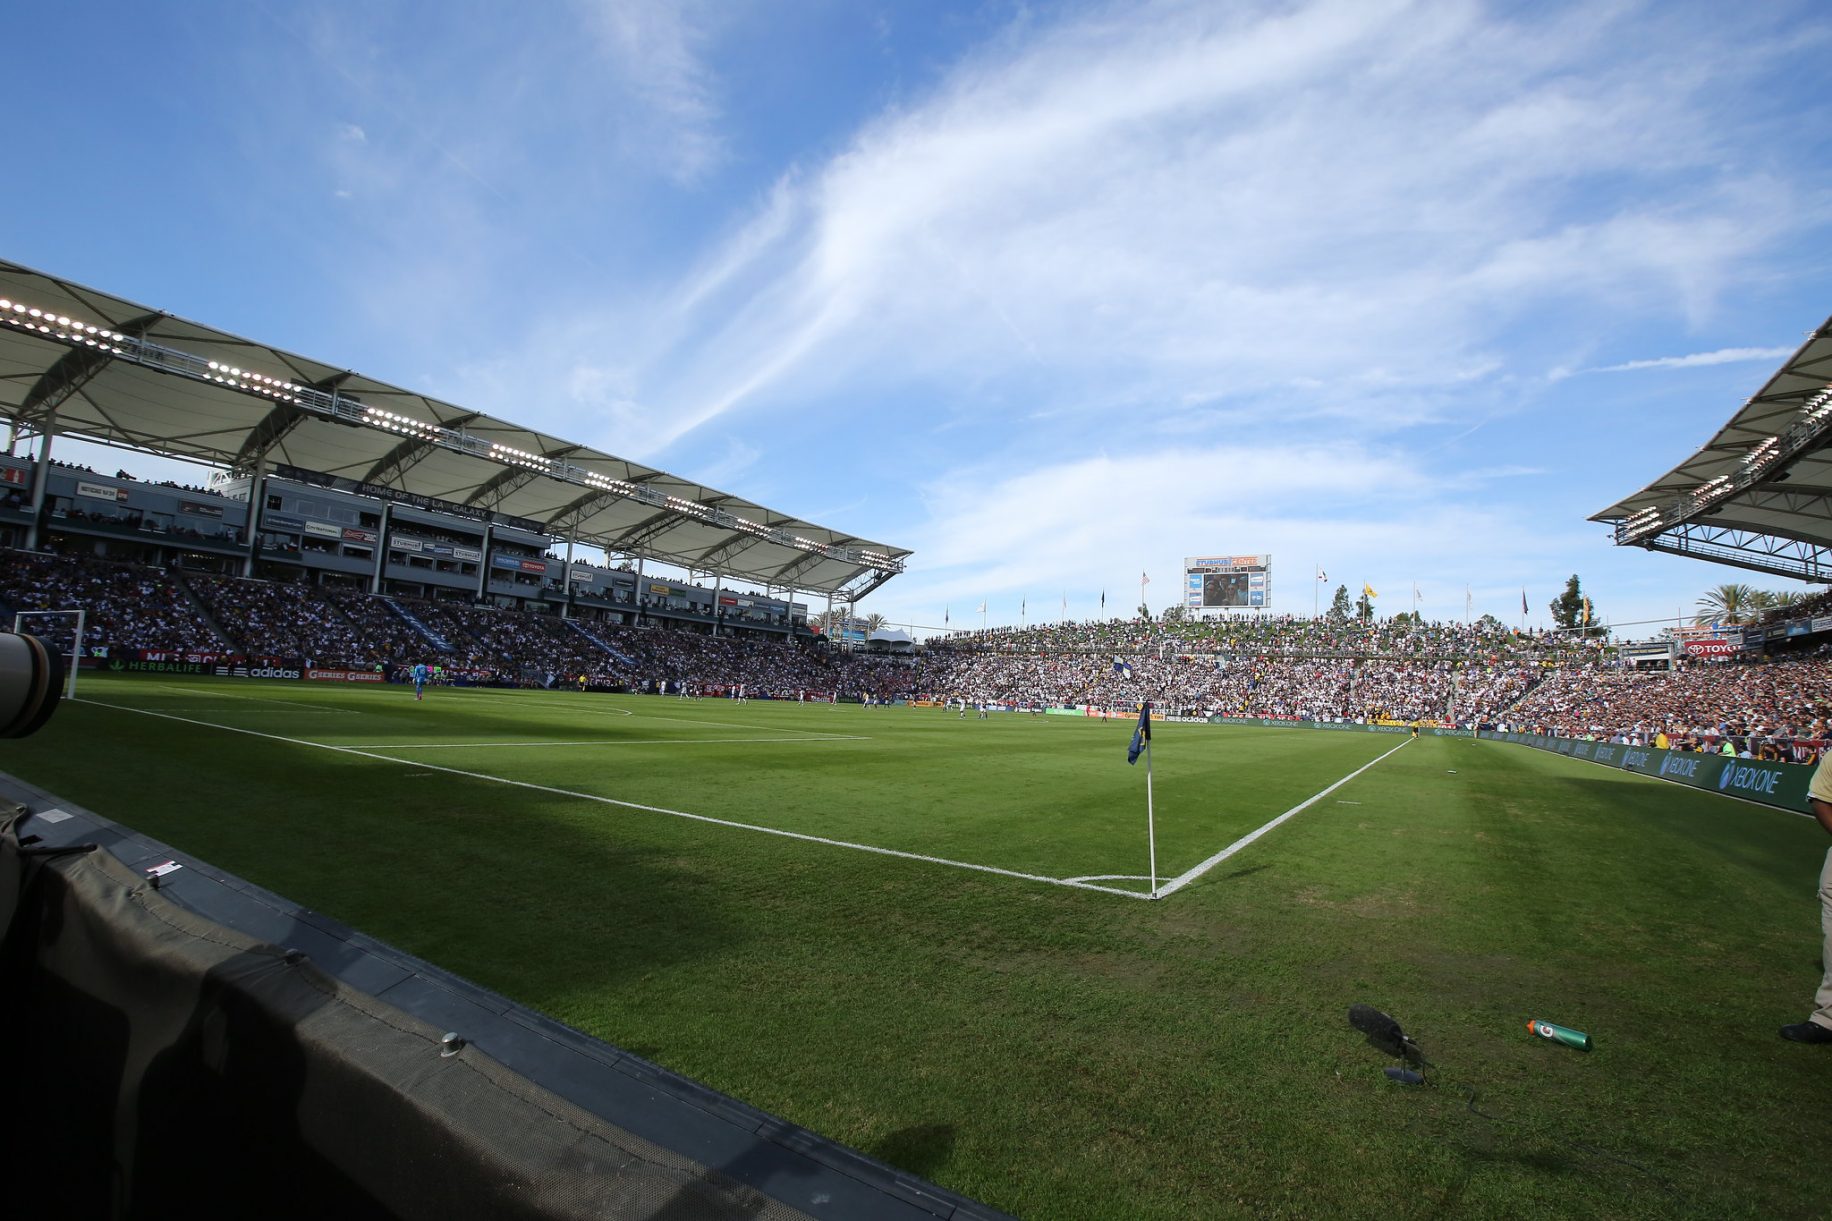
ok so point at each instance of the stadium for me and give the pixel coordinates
(916, 611)
(790, 885)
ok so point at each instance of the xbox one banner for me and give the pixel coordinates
(1783, 785)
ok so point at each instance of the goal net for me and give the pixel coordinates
(62, 634)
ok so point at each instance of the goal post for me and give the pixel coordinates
(62, 634)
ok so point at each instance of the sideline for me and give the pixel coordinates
(826, 737)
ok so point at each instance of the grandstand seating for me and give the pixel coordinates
(1279, 667)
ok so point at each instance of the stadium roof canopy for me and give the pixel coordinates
(74, 361)
(1759, 494)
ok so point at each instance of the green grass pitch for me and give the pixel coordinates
(619, 862)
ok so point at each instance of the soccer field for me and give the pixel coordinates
(926, 936)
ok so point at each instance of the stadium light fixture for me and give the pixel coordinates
(140, 351)
(1819, 406)
(1763, 453)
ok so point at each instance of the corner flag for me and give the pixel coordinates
(1140, 735)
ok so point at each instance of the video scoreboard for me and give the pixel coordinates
(1214, 583)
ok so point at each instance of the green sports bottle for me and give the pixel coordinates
(1562, 1034)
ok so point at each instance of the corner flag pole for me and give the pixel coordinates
(1141, 744)
(1151, 826)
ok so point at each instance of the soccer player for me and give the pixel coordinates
(419, 680)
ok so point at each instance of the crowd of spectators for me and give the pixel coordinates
(1282, 668)
(1772, 707)
(1277, 635)
(1283, 687)
(127, 606)
(278, 620)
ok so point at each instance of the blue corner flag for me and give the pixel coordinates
(1141, 735)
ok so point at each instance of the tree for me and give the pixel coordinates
(1408, 617)
(1144, 612)
(1573, 611)
(873, 623)
(1364, 608)
(1174, 613)
(1339, 607)
(1490, 623)
(1729, 604)
(1782, 601)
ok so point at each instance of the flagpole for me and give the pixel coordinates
(1315, 587)
(1151, 826)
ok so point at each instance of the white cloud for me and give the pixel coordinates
(654, 47)
(1184, 203)
(1723, 356)
(1082, 526)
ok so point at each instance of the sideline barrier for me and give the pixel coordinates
(1782, 785)
(186, 1044)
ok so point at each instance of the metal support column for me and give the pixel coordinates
(566, 582)
(381, 550)
(41, 478)
(257, 508)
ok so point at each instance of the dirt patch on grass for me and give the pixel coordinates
(1376, 905)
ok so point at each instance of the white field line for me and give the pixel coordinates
(826, 737)
(687, 720)
(469, 695)
(630, 805)
(1190, 875)
(300, 711)
(254, 699)
(651, 716)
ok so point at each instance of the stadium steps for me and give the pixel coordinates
(428, 634)
(598, 640)
(202, 608)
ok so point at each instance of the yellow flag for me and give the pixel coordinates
(1368, 590)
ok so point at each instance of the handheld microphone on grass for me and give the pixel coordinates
(1384, 1035)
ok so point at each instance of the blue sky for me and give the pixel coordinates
(1053, 295)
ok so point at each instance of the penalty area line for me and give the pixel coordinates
(424, 767)
(1185, 878)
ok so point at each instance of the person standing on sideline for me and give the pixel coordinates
(1818, 1026)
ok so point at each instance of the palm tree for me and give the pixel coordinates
(873, 623)
(1729, 604)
